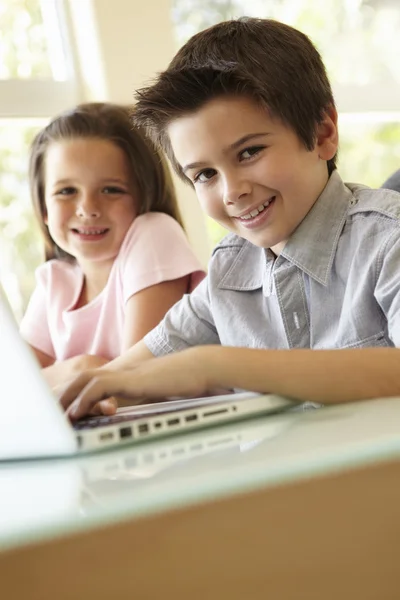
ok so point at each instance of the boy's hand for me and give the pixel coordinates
(72, 389)
(186, 373)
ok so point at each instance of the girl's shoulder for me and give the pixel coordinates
(156, 220)
(56, 272)
(155, 244)
(155, 228)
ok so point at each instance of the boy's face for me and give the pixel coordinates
(251, 173)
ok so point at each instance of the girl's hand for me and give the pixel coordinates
(59, 373)
(84, 362)
(187, 373)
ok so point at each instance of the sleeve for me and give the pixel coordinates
(155, 250)
(34, 326)
(387, 291)
(188, 323)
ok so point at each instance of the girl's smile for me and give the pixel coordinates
(90, 234)
(90, 200)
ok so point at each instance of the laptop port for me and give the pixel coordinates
(190, 418)
(173, 421)
(143, 428)
(125, 432)
(104, 437)
(218, 411)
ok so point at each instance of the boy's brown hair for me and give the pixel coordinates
(113, 123)
(268, 61)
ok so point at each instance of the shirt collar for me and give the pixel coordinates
(247, 270)
(312, 246)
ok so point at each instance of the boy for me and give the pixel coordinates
(303, 298)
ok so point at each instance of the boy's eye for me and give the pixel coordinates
(249, 152)
(204, 176)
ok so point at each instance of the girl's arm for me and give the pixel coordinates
(145, 309)
(59, 373)
(326, 376)
(44, 359)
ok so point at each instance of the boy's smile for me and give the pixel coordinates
(251, 172)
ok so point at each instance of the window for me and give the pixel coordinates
(359, 42)
(36, 81)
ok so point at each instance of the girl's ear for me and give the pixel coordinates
(327, 135)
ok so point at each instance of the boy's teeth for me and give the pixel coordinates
(256, 211)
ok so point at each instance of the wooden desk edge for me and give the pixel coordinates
(329, 537)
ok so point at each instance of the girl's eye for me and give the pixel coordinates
(204, 176)
(111, 189)
(67, 191)
(250, 152)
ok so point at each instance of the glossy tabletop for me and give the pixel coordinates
(43, 499)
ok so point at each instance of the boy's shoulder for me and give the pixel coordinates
(230, 243)
(367, 200)
(236, 264)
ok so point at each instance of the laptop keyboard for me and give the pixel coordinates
(91, 422)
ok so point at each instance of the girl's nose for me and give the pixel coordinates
(88, 207)
(235, 188)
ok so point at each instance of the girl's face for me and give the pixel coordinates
(91, 199)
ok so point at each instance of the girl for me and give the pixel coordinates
(116, 255)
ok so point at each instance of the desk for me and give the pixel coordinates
(298, 505)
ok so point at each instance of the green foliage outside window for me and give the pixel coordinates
(23, 45)
(21, 248)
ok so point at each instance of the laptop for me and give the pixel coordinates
(33, 425)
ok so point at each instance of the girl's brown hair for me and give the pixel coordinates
(110, 122)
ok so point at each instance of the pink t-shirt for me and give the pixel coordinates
(155, 249)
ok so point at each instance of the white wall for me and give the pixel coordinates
(120, 46)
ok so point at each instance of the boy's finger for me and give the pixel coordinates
(71, 390)
(108, 407)
(98, 389)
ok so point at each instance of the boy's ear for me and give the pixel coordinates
(327, 135)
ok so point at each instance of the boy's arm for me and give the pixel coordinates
(130, 359)
(326, 376)
(71, 386)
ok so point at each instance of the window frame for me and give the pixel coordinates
(25, 98)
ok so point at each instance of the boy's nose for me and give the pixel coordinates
(235, 188)
(88, 207)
